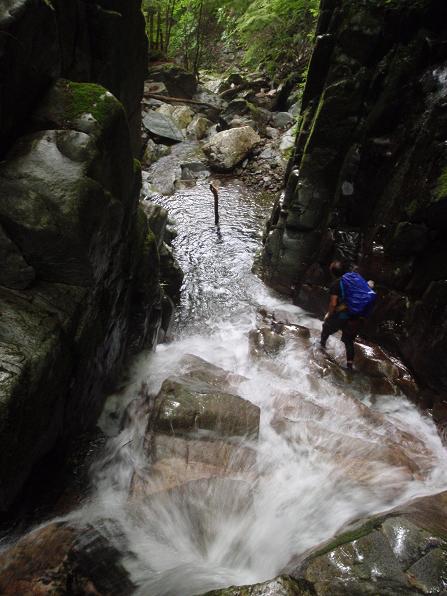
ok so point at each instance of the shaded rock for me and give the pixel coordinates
(61, 559)
(234, 79)
(281, 119)
(165, 175)
(376, 362)
(243, 108)
(194, 171)
(15, 273)
(153, 88)
(287, 144)
(186, 406)
(179, 82)
(271, 133)
(228, 148)
(265, 342)
(162, 127)
(198, 127)
(182, 116)
(154, 151)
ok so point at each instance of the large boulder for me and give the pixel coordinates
(187, 406)
(162, 128)
(226, 149)
(198, 430)
(179, 82)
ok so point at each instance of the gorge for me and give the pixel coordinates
(235, 457)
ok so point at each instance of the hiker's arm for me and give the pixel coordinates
(333, 300)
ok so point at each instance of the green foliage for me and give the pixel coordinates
(271, 34)
(276, 33)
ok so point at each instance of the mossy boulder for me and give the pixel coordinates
(187, 406)
(88, 42)
(401, 552)
(81, 264)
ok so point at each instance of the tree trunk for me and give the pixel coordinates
(198, 39)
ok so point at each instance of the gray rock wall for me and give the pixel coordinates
(41, 40)
(80, 275)
(368, 181)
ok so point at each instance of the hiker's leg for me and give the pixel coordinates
(330, 326)
(349, 334)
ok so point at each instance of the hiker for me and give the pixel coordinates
(351, 300)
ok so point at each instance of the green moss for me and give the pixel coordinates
(88, 98)
(349, 536)
(136, 166)
(441, 187)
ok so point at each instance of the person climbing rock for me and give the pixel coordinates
(351, 300)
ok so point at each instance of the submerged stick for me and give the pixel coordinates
(213, 189)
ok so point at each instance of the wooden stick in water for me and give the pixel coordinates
(213, 189)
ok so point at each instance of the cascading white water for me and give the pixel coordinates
(307, 481)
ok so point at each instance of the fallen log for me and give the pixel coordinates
(168, 99)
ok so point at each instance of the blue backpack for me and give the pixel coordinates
(356, 294)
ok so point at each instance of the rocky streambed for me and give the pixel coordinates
(237, 452)
(224, 125)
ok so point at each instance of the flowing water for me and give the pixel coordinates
(331, 461)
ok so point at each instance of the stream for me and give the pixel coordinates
(309, 476)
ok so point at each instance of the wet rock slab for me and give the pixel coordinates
(162, 127)
(280, 586)
(401, 552)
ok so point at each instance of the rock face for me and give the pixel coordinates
(60, 559)
(228, 148)
(80, 282)
(401, 552)
(280, 586)
(68, 205)
(368, 177)
(77, 39)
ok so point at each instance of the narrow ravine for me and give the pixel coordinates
(328, 450)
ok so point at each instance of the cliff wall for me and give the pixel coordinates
(80, 275)
(368, 180)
